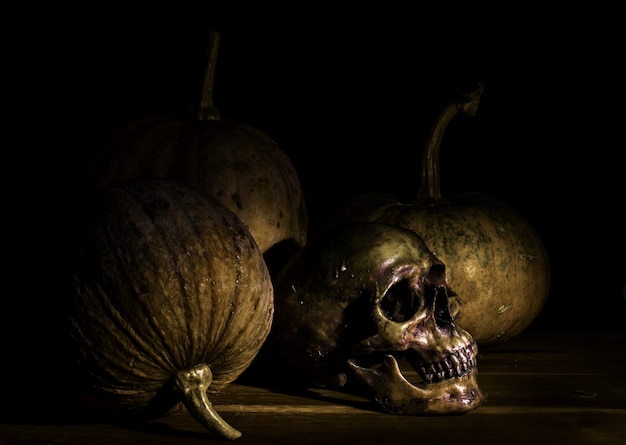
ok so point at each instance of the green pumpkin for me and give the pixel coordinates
(170, 301)
(496, 262)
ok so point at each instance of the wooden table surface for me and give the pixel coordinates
(541, 389)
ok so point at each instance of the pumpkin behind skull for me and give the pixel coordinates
(358, 299)
(237, 163)
(495, 258)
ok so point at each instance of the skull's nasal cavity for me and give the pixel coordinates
(401, 301)
(443, 316)
(438, 291)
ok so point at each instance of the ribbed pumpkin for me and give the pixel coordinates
(496, 261)
(237, 163)
(170, 300)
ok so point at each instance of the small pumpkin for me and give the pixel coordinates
(239, 164)
(496, 261)
(170, 300)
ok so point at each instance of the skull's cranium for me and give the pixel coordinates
(359, 298)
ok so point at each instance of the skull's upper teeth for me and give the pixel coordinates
(458, 363)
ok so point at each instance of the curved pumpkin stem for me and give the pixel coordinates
(430, 189)
(207, 110)
(193, 385)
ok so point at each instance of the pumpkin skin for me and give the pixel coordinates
(237, 163)
(498, 264)
(170, 300)
(496, 261)
(234, 162)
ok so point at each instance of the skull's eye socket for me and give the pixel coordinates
(401, 302)
(437, 275)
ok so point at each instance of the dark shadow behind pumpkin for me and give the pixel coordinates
(37, 250)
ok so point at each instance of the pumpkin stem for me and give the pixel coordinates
(193, 385)
(207, 111)
(430, 189)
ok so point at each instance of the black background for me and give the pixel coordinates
(349, 94)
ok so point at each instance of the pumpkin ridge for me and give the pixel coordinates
(158, 355)
(162, 359)
(232, 347)
(241, 299)
(159, 158)
(209, 257)
(146, 305)
(187, 155)
(232, 330)
(192, 324)
(176, 349)
(183, 349)
(115, 369)
(219, 322)
(298, 206)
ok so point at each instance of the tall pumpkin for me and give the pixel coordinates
(170, 300)
(496, 261)
(239, 164)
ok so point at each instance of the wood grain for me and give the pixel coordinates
(541, 389)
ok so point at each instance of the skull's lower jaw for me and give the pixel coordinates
(396, 395)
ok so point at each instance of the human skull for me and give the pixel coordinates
(358, 299)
